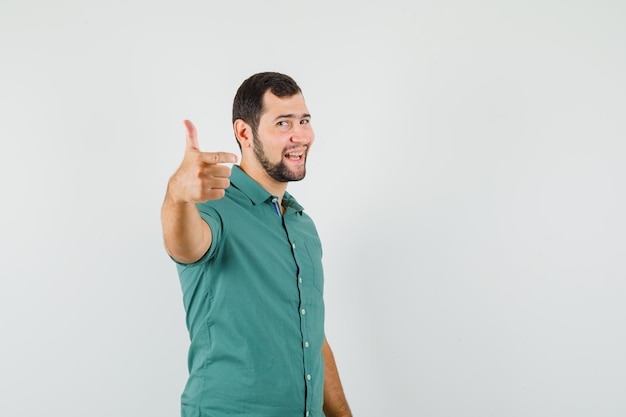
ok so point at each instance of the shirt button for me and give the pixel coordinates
(300, 280)
(307, 414)
(293, 245)
(308, 377)
(303, 311)
(306, 344)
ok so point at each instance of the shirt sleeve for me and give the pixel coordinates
(212, 217)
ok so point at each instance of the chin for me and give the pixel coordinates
(286, 175)
(298, 175)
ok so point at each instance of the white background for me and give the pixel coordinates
(468, 182)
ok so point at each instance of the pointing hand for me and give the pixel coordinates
(200, 176)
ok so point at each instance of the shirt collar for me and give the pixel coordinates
(257, 194)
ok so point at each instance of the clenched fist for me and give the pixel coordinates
(200, 177)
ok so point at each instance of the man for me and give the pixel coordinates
(249, 262)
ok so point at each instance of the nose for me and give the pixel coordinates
(302, 134)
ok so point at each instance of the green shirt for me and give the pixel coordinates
(255, 311)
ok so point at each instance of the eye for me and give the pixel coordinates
(282, 123)
(305, 121)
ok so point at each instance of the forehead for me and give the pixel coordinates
(274, 106)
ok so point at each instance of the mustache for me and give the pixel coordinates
(296, 147)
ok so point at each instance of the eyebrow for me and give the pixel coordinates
(293, 116)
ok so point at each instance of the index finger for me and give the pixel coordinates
(219, 157)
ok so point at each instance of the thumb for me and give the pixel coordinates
(192, 136)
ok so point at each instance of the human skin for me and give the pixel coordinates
(284, 137)
(199, 178)
(285, 134)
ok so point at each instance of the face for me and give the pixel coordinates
(284, 137)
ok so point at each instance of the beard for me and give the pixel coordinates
(277, 171)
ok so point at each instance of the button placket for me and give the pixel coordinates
(297, 253)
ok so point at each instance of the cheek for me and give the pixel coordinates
(275, 149)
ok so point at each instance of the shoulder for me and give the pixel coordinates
(231, 200)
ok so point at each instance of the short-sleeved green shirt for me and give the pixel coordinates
(255, 310)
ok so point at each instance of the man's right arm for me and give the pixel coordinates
(199, 178)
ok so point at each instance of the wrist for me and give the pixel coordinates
(174, 197)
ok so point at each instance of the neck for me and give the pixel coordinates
(269, 184)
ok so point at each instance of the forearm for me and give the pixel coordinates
(335, 404)
(200, 177)
(186, 236)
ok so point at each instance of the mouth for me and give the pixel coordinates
(295, 155)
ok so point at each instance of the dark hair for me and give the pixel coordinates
(248, 102)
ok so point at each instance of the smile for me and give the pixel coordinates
(294, 156)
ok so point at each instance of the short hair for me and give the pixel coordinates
(248, 102)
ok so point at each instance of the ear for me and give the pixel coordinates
(243, 132)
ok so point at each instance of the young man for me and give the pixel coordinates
(249, 262)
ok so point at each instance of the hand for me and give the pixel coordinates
(200, 177)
